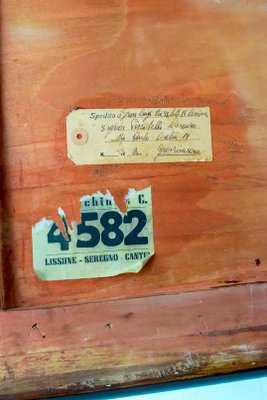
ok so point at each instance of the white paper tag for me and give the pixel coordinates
(106, 242)
(139, 135)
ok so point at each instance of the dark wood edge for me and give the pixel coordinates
(2, 196)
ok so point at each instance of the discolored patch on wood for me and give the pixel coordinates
(209, 219)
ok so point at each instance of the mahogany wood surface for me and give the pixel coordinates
(176, 318)
(209, 218)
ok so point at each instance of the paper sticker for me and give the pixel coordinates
(139, 135)
(106, 242)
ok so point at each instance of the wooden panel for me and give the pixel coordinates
(209, 218)
(132, 342)
(176, 318)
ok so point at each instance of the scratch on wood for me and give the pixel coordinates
(128, 315)
(9, 371)
(231, 332)
(202, 319)
(36, 328)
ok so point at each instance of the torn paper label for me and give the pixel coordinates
(139, 135)
(105, 242)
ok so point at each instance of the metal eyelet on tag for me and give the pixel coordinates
(80, 136)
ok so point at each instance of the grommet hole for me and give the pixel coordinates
(79, 136)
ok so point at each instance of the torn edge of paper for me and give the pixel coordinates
(105, 242)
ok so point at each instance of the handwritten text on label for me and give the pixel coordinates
(139, 135)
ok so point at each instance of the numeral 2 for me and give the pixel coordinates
(132, 238)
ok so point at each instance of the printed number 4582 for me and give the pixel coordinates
(111, 235)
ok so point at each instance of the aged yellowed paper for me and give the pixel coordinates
(106, 242)
(139, 135)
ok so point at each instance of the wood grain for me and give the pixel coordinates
(209, 218)
(132, 341)
(199, 306)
